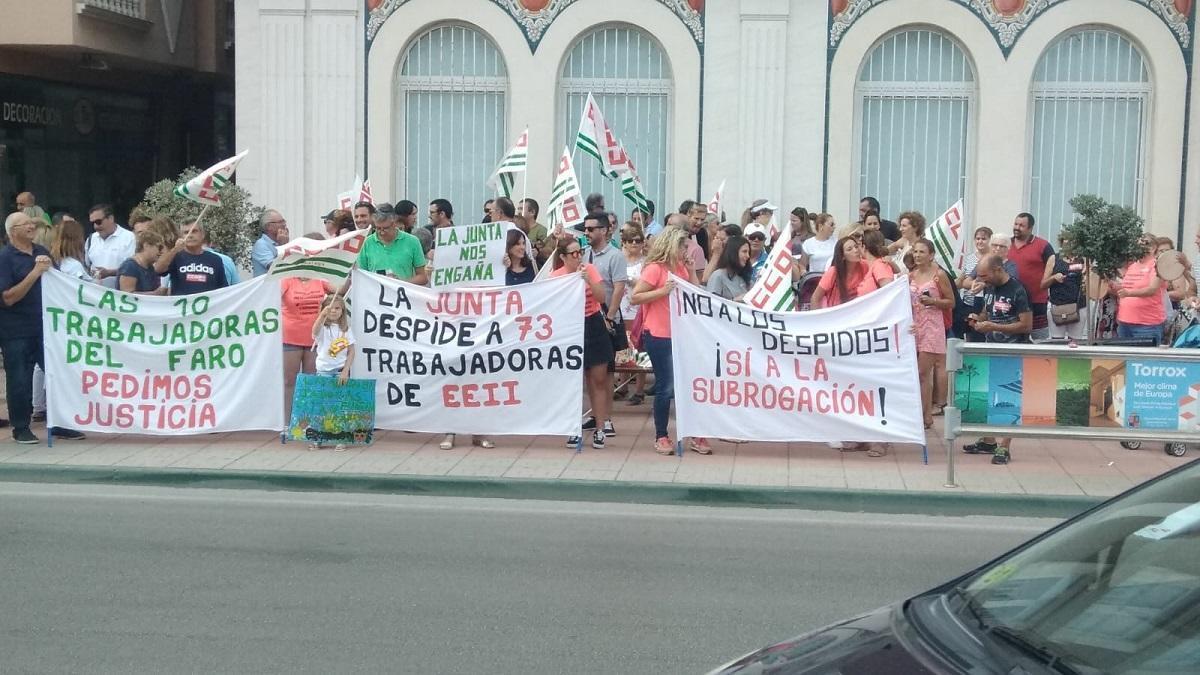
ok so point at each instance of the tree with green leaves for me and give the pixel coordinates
(1107, 235)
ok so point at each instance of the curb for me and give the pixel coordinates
(815, 499)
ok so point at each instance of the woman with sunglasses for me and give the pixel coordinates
(633, 245)
(597, 343)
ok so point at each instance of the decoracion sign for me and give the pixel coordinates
(470, 255)
(325, 412)
(847, 373)
(1079, 392)
(123, 363)
(479, 361)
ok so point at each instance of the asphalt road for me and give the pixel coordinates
(107, 579)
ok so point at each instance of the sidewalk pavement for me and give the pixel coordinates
(1082, 469)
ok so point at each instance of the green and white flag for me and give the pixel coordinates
(329, 259)
(205, 188)
(949, 237)
(772, 292)
(566, 207)
(596, 138)
(515, 161)
(631, 185)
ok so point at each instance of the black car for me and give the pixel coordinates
(1113, 590)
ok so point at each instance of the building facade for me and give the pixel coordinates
(1011, 105)
(101, 98)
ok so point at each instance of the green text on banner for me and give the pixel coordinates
(498, 361)
(123, 363)
(847, 373)
(470, 255)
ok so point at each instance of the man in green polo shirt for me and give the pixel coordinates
(389, 251)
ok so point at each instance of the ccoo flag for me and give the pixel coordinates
(205, 188)
(595, 138)
(949, 238)
(772, 291)
(631, 185)
(515, 161)
(330, 259)
(566, 209)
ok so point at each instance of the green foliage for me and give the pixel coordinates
(1106, 234)
(1071, 407)
(232, 227)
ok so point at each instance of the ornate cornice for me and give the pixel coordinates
(534, 22)
(1008, 19)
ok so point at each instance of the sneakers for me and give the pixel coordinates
(25, 437)
(979, 448)
(700, 446)
(67, 434)
(574, 441)
(1001, 455)
(598, 440)
(664, 446)
(590, 425)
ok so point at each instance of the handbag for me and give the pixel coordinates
(616, 331)
(1065, 314)
(637, 327)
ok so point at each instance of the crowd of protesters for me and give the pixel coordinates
(1010, 289)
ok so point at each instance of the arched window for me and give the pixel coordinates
(627, 73)
(451, 90)
(915, 97)
(1090, 96)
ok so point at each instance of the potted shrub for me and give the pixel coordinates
(1106, 236)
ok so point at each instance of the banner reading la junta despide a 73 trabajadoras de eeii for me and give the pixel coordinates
(124, 363)
(505, 360)
(846, 373)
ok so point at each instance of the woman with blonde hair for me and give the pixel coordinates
(67, 250)
(668, 255)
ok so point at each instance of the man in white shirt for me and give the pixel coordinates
(109, 246)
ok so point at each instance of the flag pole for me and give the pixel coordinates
(197, 221)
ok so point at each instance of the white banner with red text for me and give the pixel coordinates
(505, 360)
(846, 373)
(124, 363)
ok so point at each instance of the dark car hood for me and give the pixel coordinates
(869, 645)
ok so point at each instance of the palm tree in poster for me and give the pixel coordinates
(971, 372)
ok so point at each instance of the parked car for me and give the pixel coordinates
(1113, 590)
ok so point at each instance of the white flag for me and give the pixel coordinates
(595, 138)
(514, 162)
(714, 204)
(772, 291)
(205, 188)
(328, 259)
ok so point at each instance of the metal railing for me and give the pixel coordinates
(957, 349)
(135, 9)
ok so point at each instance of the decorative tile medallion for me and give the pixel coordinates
(533, 17)
(1008, 19)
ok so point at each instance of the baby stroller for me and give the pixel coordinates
(1185, 333)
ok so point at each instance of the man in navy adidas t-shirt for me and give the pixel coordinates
(191, 268)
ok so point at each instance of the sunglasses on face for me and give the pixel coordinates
(757, 238)
(593, 228)
(574, 254)
(97, 222)
(635, 240)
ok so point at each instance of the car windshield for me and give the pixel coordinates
(1117, 591)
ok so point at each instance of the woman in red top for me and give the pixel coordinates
(932, 294)
(597, 341)
(299, 305)
(1141, 311)
(840, 282)
(668, 255)
(881, 271)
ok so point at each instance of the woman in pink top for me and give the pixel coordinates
(881, 271)
(597, 342)
(839, 284)
(668, 255)
(1140, 307)
(299, 305)
(931, 294)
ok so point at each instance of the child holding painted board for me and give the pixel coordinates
(334, 342)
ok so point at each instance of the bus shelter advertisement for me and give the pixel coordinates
(504, 360)
(846, 373)
(124, 363)
(1079, 392)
